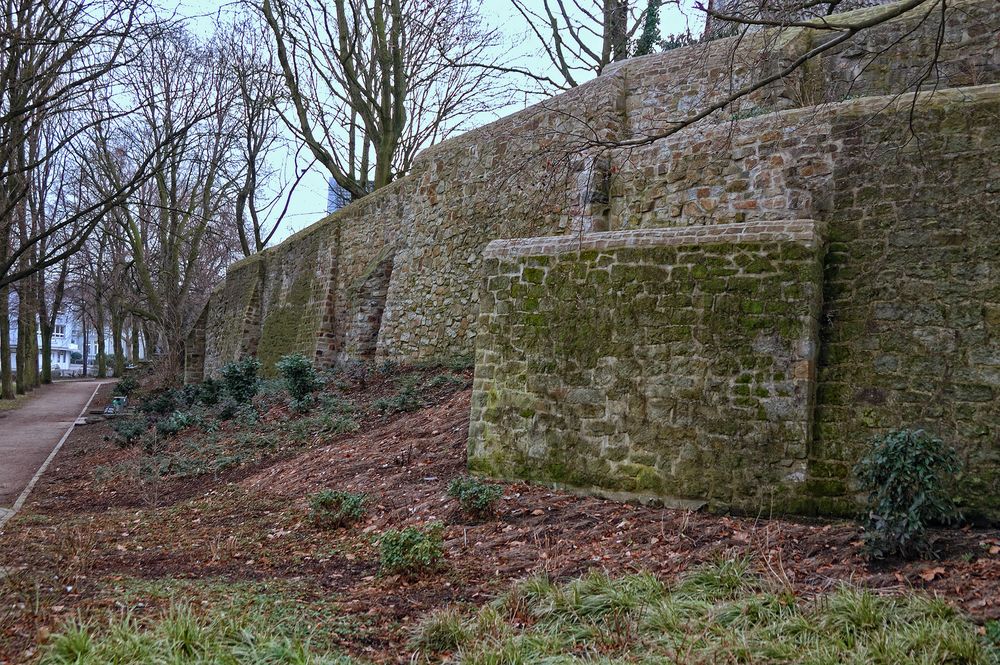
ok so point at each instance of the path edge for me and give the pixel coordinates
(23, 496)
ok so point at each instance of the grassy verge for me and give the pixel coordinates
(719, 614)
(18, 401)
(184, 636)
(205, 622)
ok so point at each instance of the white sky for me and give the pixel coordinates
(308, 203)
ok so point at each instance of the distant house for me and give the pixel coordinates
(337, 197)
(68, 348)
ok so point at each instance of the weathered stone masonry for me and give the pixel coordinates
(907, 333)
(670, 362)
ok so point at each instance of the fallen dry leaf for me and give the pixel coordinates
(929, 574)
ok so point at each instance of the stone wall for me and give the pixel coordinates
(667, 362)
(911, 321)
(908, 335)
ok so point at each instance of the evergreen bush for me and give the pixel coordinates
(905, 474)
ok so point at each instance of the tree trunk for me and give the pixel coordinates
(21, 371)
(46, 331)
(102, 359)
(135, 342)
(86, 339)
(616, 12)
(28, 315)
(6, 376)
(119, 348)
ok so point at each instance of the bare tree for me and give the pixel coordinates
(174, 225)
(262, 198)
(56, 54)
(371, 82)
(577, 39)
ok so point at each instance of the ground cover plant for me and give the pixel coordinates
(719, 613)
(411, 550)
(217, 516)
(332, 509)
(184, 635)
(476, 497)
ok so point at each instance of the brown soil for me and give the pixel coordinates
(79, 541)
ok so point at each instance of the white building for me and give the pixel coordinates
(68, 346)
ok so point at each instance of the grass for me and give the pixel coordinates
(207, 621)
(19, 400)
(182, 635)
(720, 613)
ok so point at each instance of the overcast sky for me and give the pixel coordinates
(308, 203)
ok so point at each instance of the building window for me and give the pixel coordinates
(60, 330)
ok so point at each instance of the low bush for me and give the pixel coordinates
(331, 424)
(246, 415)
(209, 392)
(300, 377)
(333, 404)
(356, 371)
(160, 402)
(173, 424)
(476, 497)
(188, 394)
(411, 550)
(460, 363)
(227, 409)
(240, 379)
(128, 430)
(387, 367)
(332, 509)
(126, 386)
(446, 380)
(906, 475)
(405, 400)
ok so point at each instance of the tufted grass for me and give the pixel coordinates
(184, 636)
(723, 613)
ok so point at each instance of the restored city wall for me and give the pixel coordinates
(674, 362)
(905, 190)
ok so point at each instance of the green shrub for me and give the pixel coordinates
(905, 474)
(128, 430)
(332, 509)
(460, 362)
(333, 404)
(411, 550)
(227, 409)
(209, 392)
(240, 379)
(246, 415)
(160, 402)
(177, 421)
(476, 497)
(331, 424)
(300, 376)
(188, 394)
(126, 386)
(405, 400)
(387, 367)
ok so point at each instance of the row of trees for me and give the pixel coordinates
(136, 160)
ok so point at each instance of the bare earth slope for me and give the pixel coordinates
(91, 540)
